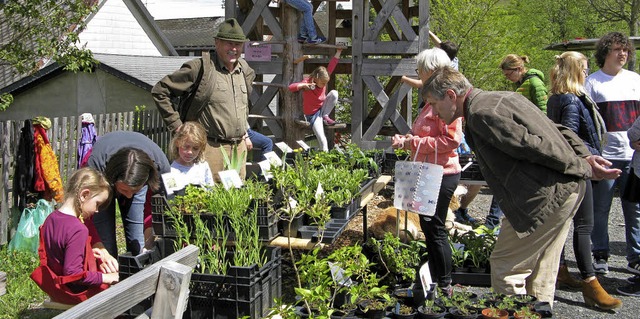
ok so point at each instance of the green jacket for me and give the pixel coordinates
(531, 164)
(533, 88)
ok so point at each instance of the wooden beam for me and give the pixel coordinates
(324, 45)
(296, 243)
(391, 47)
(126, 294)
(279, 85)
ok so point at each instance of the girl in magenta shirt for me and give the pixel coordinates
(65, 237)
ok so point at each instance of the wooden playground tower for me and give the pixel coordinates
(384, 35)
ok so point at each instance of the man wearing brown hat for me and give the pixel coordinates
(214, 91)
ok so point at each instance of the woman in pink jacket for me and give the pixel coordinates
(316, 102)
(433, 141)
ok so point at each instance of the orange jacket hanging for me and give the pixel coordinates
(47, 173)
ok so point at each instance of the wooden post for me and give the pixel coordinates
(172, 292)
(4, 184)
(291, 106)
(358, 15)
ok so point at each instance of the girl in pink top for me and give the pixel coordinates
(65, 237)
(316, 103)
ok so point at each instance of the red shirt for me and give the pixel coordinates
(312, 99)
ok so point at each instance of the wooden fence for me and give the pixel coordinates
(64, 134)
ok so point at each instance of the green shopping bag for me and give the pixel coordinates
(27, 237)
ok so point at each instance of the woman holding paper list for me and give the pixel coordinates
(433, 141)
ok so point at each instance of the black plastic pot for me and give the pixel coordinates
(423, 314)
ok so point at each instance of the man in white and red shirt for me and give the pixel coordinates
(616, 91)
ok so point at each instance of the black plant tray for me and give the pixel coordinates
(471, 279)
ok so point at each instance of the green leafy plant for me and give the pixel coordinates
(526, 313)
(396, 257)
(236, 161)
(431, 307)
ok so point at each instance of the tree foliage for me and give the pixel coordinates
(487, 30)
(35, 31)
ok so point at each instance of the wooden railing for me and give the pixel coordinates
(64, 134)
(168, 279)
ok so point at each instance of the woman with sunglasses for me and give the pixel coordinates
(530, 82)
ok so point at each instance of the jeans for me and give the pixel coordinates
(603, 192)
(132, 213)
(307, 25)
(316, 121)
(261, 142)
(495, 214)
(436, 235)
(582, 226)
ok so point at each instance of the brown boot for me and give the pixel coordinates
(595, 295)
(565, 279)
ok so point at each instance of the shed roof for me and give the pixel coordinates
(190, 33)
(142, 71)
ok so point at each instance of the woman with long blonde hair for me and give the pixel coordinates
(571, 107)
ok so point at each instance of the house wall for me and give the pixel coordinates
(115, 30)
(75, 93)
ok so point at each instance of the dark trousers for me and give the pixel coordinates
(495, 214)
(437, 237)
(582, 226)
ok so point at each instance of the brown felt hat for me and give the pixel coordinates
(230, 30)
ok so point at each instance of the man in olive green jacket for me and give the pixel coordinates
(221, 86)
(536, 170)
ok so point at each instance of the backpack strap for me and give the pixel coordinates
(191, 106)
(205, 85)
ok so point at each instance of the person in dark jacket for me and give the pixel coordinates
(132, 163)
(569, 106)
(535, 168)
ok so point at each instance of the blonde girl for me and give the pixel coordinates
(187, 150)
(65, 245)
(316, 102)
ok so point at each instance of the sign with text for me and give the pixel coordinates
(257, 52)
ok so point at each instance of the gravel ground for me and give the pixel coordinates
(569, 304)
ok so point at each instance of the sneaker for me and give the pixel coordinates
(462, 216)
(327, 120)
(317, 40)
(600, 266)
(630, 290)
(634, 267)
(302, 39)
(634, 280)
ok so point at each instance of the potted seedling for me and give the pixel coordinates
(494, 313)
(431, 310)
(402, 311)
(524, 300)
(462, 309)
(526, 313)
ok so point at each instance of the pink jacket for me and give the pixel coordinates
(312, 99)
(434, 133)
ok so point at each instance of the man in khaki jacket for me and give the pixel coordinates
(221, 85)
